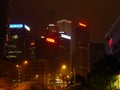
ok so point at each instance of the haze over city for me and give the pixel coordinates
(59, 45)
(97, 13)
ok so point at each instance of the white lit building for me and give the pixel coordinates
(64, 26)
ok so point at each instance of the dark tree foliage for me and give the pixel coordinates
(79, 79)
(103, 73)
(80, 83)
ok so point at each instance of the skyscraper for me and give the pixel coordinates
(80, 39)
(52, 16)
(16, 46)
(4, 14)
(64, 26)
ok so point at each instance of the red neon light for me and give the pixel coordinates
(110, 42)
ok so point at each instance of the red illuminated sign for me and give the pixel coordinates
(110, 42)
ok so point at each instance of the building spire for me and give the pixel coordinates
(52, 16)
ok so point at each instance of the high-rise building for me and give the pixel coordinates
(112, 39)
(52, 16)
(64, 26)
(16, 46)
(4, 10)
(51, 30)
(80, 49)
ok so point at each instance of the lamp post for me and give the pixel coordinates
(74, 75)
(64, 69)
(65, 74)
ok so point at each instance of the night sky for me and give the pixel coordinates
(99, 14)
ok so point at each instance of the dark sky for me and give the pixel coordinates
(99, 14)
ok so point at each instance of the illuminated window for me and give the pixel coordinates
(19, 26)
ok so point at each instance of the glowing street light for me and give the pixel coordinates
(17, 66)
(32, 43)
(25, 62)
(63, 66)
(36, 76)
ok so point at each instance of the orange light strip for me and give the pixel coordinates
(32, 43)
(82, 24)
(50, 40)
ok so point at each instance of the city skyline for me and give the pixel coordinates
(59, 44)
(99, 15)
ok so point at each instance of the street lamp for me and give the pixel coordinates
(63, 70)
(25, 62)
(63, 67)
(17, 66)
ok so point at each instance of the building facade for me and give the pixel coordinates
(16, 46)
(112, 39)
(64, 26)
(80, 50)
(34, 72)
(8, 70)
(112, 45)
(4, 16)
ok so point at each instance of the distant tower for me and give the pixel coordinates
(52, 17)
(51, 29)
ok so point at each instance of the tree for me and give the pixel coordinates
(80, 83)
(103, 73)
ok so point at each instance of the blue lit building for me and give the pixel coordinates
(16, 46)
